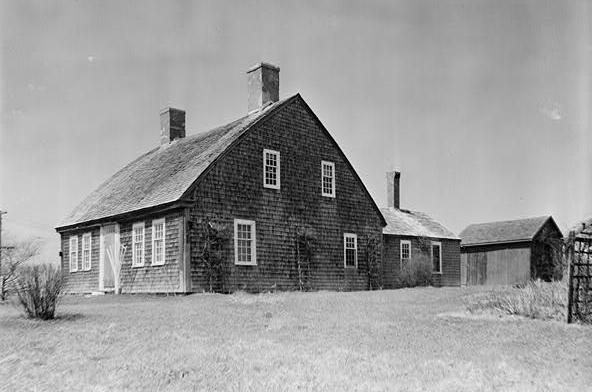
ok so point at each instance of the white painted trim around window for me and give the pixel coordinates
(73, 253)
(439, 244)
(355, 238)
(332, 165)
(163, 252)
(253, 241)
(135, 261)
(278, 169)
(85, 237)
(407, 242)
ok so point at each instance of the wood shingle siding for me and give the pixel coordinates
(225, 195)
(391, 265)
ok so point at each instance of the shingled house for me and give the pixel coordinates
(511, 252)
(268, 201)
(412, 234)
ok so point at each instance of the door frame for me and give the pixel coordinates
(102, 255)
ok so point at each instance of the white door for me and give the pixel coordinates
(109, 258)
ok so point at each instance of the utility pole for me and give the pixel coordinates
(1, 280)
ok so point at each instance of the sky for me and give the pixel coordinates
(482, 105)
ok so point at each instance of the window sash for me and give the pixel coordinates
(350, 250)
(138, 245)
(245, 249)
(405, 251)
(271, 169)
(328, 178)
(73, 254)
(158, 242)
(86, 251)
(437, 257)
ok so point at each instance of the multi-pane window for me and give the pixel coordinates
(158, 242)
(73, 253)
(244, 242)
(328, 178)
(271, 169)
(138, 244)
(437, 257)
(86, 249)
(350, 250)
(405, 251)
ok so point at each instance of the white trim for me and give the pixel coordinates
(253, 241)
(75, 253)
(440, 256)
(135, 262)
(407, 242)
(89, 266)
(154, 223)
(355, 238)
(278, 169)
(332, 165)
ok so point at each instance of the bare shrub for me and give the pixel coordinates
(417, 271)
(13, 257)
(536, 299)
(38, 290)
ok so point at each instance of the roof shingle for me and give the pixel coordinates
(504, 231)
(413, 223)
(163, 174)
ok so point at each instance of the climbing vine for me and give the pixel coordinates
(213, 236)
(373, 259)
(303, 254)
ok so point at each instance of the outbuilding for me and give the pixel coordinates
(511, 252)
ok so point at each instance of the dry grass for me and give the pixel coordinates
(537, 299)
(399, 340)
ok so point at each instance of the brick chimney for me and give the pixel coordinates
(264, 85)
(172, 125)
(393, 179)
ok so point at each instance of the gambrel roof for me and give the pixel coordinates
(165, 174)
(414, 224)
(520, 230)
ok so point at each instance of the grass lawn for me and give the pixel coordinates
(410, 339)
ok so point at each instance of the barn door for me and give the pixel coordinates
(476, 269)
(109, 253)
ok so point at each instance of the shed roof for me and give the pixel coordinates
(163, 174)
(504, 231)
(413, 223)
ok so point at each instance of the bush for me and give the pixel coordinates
(536, 299)
(417, 271)
(38, 290)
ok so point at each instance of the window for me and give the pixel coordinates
(244, 242)
(405, 251)
(86, 251)
(138, 244)
(271, 169)
(158, 242)
(437, 257)
(328, 178)
(350, 250)
(73, 253)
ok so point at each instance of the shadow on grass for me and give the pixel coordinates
(20, 320)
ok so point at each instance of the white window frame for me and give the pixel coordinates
(163, 252)
(135, 261)
(345, 237)
(86, 237)
(404, 242)
(253, 241)
(439, 258)
(73, 251)
(332, 164)
(278, 167)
